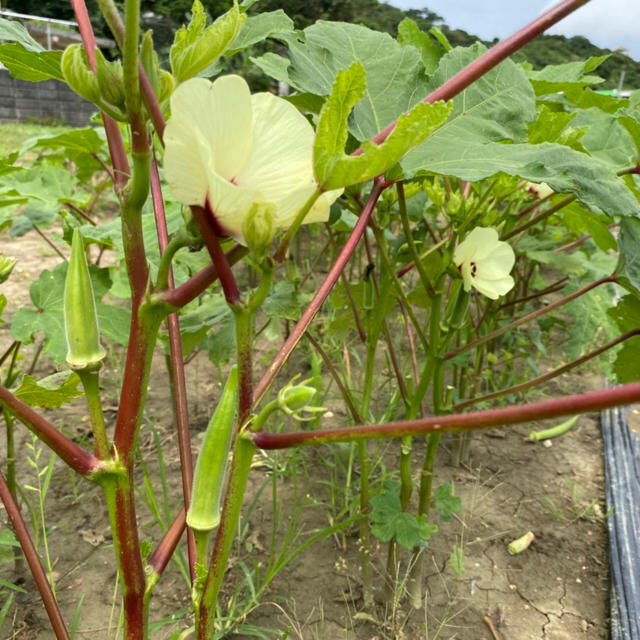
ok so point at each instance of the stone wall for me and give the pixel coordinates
(21, 100)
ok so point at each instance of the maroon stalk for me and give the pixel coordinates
(551, 374)
(204, 220)
(322, 293)
(567, 405)
(177, 364)
(33, 560)
(80, 461)
(531, 316)
(199, 283)
(159, 559)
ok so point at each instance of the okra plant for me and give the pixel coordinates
(458, 201)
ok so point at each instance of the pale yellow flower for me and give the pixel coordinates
(485, 263)
(240, 153)
(540, 190)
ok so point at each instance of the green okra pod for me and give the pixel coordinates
(84, 351)
(204, 511)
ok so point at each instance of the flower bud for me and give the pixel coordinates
(436, 192)
(6, 267)
(78, 75)
(84, 350)
(258, 227)
(110, 80)
(295, 399)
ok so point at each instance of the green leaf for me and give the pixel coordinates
(196, 47)
(564, 77)
(221, 343)
(14, 31)
(627, 364)
(564, 170)
(447, 504)
(607, 139)
(553, 126)
(84, 140)
(283, 302)
(46, 295)
(390, 521)
(275, 66)
(629, 243)
(33, 66)
(333, 167)
(580, 219)
(594, 326)
(394, 73)
(409, 34)
(630, 120)
(260, 27)
(626, 313)
(50, 392)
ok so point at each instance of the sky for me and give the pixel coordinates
(607, 23)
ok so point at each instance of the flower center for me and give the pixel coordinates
(474, 268)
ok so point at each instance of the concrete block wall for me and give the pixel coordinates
(21, 100)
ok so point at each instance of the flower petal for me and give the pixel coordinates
(498, 263)
(230, 204)
(494, 288)
(476, 246)
(282, 150)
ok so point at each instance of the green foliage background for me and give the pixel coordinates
(164, 16)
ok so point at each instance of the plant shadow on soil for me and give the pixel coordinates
(555, 590)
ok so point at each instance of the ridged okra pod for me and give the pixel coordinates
(204, 511)
(84, 351)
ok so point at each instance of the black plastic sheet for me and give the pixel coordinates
(622, 472)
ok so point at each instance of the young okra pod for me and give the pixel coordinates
(204, 511)
(84, 351)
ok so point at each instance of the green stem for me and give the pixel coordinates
(402, 206)
(365, 523)
(179, 240)
(91, 383)
(240, 467)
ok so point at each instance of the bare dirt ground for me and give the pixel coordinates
(555, 590)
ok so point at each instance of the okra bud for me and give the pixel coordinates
(204, 510)
(84, 350)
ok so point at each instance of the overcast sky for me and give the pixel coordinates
(607, 23)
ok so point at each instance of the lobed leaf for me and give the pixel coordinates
(333, 167)
(34, 66)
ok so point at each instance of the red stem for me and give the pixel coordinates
(551, 374)
(80, 461)
(567, 405)
(127, 546)
(177, 365)
(159, 559)
(229, 286)
(321, 295)
(134, 386)
(531, 316)
(491, 58)
(33, 560)
(200, 282)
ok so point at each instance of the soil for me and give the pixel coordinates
(557, 589)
